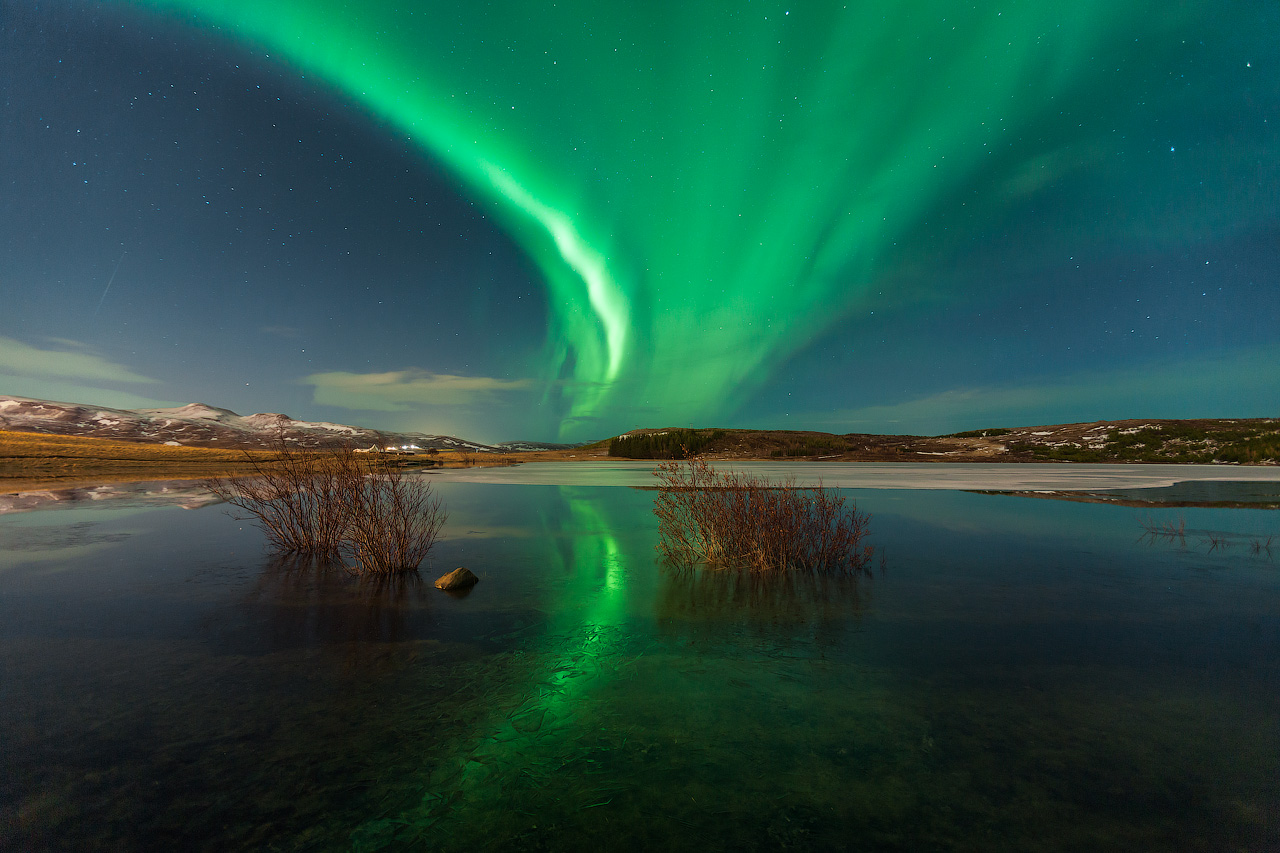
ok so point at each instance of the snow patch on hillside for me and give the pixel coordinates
(199, 424)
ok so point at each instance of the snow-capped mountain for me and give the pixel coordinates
(199, 425)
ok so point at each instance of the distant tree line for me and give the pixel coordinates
(672, 444)
(979, 433)
(812, 447)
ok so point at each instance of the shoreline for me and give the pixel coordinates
(41, 461)
(58, 461)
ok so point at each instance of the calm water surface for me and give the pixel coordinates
(1018, 675)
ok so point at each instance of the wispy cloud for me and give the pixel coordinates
(24, 360)
(71, 392)
(67, 343)
(405, 390)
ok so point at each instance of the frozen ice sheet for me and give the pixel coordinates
(878, 475)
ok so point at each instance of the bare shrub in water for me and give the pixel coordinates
(742, 521)
(295, 497)
(335, 502)
(393, 520)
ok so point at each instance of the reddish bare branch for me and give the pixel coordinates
(737, 520)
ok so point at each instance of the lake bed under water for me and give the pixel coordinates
(1016, 675)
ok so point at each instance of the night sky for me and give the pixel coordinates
(527, 220)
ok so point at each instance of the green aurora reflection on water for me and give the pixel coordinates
(709, 187)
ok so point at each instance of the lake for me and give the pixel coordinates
(1014, 674)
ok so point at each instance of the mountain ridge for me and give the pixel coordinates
(202, 425)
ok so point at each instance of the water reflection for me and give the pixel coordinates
(188, 494)
(545, 714)
(50, 538)
(782, 607)
(304, 602)
(1010, 686)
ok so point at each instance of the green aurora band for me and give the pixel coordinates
(707, 187)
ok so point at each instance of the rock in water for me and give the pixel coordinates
(457, 579)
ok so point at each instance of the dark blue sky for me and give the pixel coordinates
(188, 215)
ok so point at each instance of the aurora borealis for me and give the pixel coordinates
(848, 217)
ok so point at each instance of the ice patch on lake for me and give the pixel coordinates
(878, 475)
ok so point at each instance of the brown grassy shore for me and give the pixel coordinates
(27, 457)
(31, 460)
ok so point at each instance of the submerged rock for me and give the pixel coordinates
(460, 578)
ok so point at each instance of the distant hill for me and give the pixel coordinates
(1254, 441)
(532, 446)
(200, 425)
